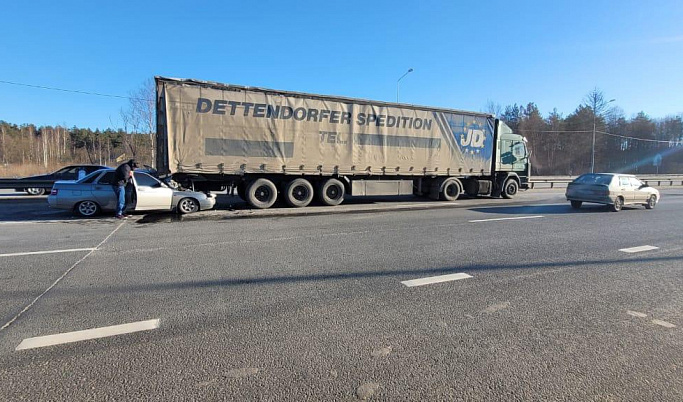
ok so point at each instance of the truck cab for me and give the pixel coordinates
(512, 156)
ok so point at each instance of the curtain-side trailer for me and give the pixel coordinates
(268, 143)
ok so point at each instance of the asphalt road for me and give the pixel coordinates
(313, 307)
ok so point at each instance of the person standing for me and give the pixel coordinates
(122, 177)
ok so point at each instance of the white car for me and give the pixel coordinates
(94, 194)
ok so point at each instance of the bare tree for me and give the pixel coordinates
(142, 110)
(595, 100)
(4, 153)
(493, 108)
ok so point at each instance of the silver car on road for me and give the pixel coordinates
(613, 189)
(95, 193)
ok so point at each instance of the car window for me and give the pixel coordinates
(107, 178)
(89, 178)
(594, 179)
(68, 173)
(143, 179)
(623, 181)
(90, 169)
(635, 182)
(62, 170)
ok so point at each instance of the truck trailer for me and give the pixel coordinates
(267, 143)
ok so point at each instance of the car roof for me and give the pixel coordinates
(616, 174)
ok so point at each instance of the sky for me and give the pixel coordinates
(464, 53)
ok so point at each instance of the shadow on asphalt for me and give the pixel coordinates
(558, 209)
(404, 274)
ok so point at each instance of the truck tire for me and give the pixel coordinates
(331, 192)
(450, 190)
(261, 193)
(510, 188)
(298, 193)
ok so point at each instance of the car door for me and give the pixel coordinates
(151, 193)
(103, 191)
(625, 189)
(640, 192)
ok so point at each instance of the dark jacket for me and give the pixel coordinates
(122, 174)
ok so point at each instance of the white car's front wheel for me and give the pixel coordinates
(188, 206)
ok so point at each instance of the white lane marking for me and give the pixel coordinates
(638, 249)
(34, 222)
(507, 219)
(636, 314)
(435, 279)
(94, 333)
(25, 309)
(664, 323)
(70, 250)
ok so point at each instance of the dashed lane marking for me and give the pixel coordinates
(435, 279)
(94, 333)
(30, 305)
(70, 250)
(664, 324)
(636, 314)
(638, 249)
(507, 219)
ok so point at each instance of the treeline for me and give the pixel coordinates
(560, 145)
(52, 147)
(563, 145)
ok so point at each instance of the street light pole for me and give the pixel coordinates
(410, 70)
(593, 146)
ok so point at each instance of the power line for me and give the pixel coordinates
(601, 132)
(638, 139)
(70, 90)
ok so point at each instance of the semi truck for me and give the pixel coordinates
(267, 143)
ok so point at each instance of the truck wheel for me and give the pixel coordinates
(298, 193)
(331, 192)
(261, 193)
(451, 190)
(510, 188)
(35, 191)
(576, 204)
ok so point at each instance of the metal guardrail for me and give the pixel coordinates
(668, 180)
(16, 183)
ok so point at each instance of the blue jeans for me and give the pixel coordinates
(121, 199)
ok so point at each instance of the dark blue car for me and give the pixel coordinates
(41, 184)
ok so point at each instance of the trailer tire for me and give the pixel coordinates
(331, 192)
(298, 193)
(261, 193)
(450, 190)
(510, 188)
